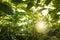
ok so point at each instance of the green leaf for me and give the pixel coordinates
(38, 1)
(6, 8)
(37, 4)
(56, 1)
(16, 1)
(29, 5)
(30, 0)
(54, 15)
(47, 2)
(57, 4)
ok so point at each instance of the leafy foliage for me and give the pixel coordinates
(18, 19)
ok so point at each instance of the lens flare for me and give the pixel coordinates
(41, 26)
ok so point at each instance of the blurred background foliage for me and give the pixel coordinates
(17, 19)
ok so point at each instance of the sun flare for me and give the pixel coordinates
(41, 26)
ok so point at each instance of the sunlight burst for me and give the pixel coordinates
(41, 27)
